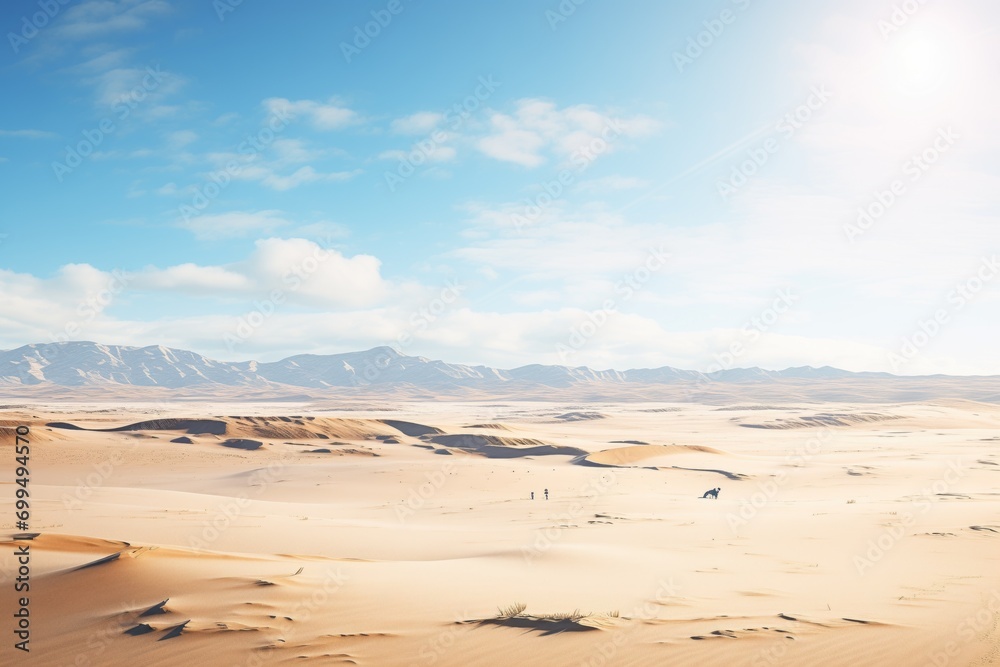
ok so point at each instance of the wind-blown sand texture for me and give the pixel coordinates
(404, 534)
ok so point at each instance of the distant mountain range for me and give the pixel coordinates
(92, 365)
(75, 364)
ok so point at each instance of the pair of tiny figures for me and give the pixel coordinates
(711, 493)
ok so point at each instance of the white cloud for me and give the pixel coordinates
(97, 18)
(437, 153)
(226, 118)
(234, 224)
(333, 302)
(104, 60)
(577, 133)
(421, 122)
(292, 151)
(45, 309)
(320, 274)
(305, 175)
(181, 138)
(140, 89)
(277, 166)
(121, 155)
(323, 116)
(561, 244)
(513, 145)
(79, 302)
(304, 270)
(193, 278)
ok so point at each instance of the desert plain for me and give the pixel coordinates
(404, 533)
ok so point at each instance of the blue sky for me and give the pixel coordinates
(606, 184)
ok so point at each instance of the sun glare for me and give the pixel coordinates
(919, 62)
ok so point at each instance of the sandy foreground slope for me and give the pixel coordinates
(391, 534)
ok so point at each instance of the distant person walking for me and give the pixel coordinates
(546, 494)
(532, 495)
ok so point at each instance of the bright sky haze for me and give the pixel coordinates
(613, 184)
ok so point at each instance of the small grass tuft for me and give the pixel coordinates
(517, 610)
(512, 611)
(575, 615)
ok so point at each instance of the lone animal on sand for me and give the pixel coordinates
(712, 493)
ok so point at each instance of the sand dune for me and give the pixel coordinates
(492, 446)
(824, 420)
(410, 428)
(39, 433)
(746, 408)
(580, 416)
(639, 454)
(263, 427)
(192, 426)
(662, 456)
(376, 549)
